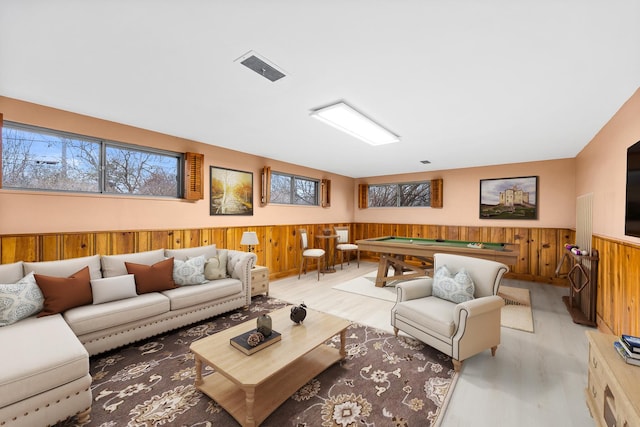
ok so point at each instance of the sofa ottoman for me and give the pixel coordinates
(45, 374)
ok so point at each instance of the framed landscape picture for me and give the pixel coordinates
(509, 198)
(231, 192)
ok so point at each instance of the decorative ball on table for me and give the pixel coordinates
(255, 339)
(298, 313)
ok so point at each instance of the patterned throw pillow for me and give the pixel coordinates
(457, 289)
(189, 272)
(20, 300)
(216, 266)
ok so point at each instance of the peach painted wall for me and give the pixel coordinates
(461, 190)
(36, 212)
(601, 170)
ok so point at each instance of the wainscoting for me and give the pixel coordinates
(279, 249)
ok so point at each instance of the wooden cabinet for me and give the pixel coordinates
(613, 390)
(259, 280)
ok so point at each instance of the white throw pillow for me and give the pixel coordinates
(189, 272)
(216, 266)
(458, 288)
(20, 300)
(113, 288)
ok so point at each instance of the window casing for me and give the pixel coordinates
(407, 194)
(294, 190)
(35, 158)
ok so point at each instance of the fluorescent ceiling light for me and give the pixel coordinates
(343, 117)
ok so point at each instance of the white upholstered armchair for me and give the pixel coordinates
(459, 330)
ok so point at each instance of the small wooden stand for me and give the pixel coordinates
(583, 286)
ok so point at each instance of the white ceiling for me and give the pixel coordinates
(464, 83)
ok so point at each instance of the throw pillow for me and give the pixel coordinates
(63, 293)
(20, 300)
(113, 288)
(457, 289)
(189, 272)
(216, 266)
(152, 278)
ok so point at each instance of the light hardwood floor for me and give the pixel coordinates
(534, 380)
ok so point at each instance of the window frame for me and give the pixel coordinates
(103, 145)
(292, 189)
(398, 194)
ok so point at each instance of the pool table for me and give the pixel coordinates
(393, 251)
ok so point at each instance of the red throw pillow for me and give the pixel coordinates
(152, 278)
(63, 293)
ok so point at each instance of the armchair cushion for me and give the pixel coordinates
(429, 314)
(458, 288)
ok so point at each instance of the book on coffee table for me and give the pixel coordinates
(240, 341)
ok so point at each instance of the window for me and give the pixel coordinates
(293, 190)
(42, 159)
(408, 194)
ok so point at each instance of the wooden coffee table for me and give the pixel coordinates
(251, 387)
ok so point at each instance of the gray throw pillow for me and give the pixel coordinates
(20, 300)
(457, 289)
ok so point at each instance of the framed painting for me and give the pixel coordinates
(231, 192)
(509, 198)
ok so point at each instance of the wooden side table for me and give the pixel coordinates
(259, 280)
(613, 391)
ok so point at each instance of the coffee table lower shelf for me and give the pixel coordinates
(253, 404)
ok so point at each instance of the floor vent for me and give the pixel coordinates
(261, 66)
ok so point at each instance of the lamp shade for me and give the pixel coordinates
(249, 238)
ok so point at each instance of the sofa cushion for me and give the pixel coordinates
(65, 267)
(188, 296)
(434, 314)
(216, 266)
(92, 318)
(113, 265)
(113, 288)
(185, 253)
(458, 288)
(11, 273)
(189, 272)
(48, 355)
(152, 278)
(20, 300)
(63, 293)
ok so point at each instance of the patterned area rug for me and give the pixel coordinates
(384, 381)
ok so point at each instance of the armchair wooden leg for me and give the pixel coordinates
(493, 350)
(457, 365)
(300, 269)
(395, 331)
(358, 252)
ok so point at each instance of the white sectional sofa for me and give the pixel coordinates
(45, 360)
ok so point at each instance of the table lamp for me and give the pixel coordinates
(249, 238)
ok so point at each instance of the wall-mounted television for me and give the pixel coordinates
(632, 212)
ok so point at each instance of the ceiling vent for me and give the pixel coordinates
(261, 66)
(425, 162)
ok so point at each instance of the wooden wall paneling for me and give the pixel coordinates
(290, 244)
(161, 239)
(218, 237)
(632, 270)
(123, 242)
(534, 252)
(452, 232)
(520, 238)
(77, 245)
(205, 236)
(191, 238)
(50, 247)
(19, 248)
(102, 243)
(547, 245)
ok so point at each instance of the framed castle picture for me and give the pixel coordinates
(509, 198)
(231, 192)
